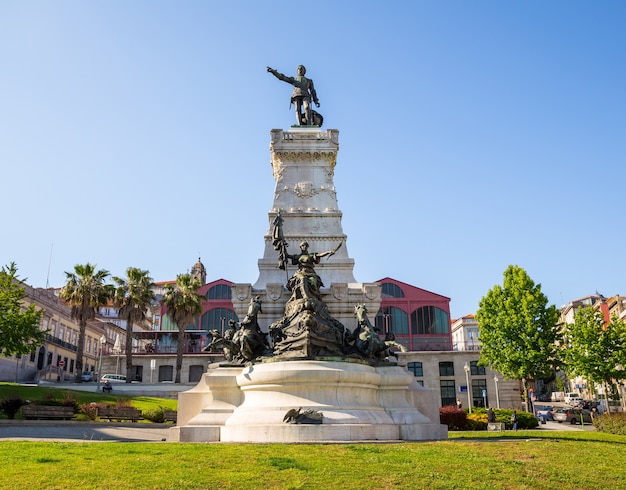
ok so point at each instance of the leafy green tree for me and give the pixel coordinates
(594, 350)
(183, 305)
(19, 325)
(517, 330)
(132, 298)
(85, 292)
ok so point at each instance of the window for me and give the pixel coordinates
(476, 370)
(217, 319)
(430, 320)
(220, 291)
(415, 368)
(168, 324)
(478, 385)
(389, 290)
(446, 369)
(448, 392)
(392, 319)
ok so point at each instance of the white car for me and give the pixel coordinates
(113, 378)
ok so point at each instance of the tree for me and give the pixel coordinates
(85, 292)
(183, 304)
(517, 330)
(132, 298)
(595, 350)
(19, 325)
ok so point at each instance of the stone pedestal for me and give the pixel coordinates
(358, 402)
(303, 163)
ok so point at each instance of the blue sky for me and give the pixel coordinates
(473, 135)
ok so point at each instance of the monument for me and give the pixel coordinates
(306, 363)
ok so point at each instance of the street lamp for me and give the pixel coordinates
(495, 380)
(466, 368)
(103, 341)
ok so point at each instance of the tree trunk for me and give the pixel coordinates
(80, 347)
(129, 350)
(180, 348)
(605, 385)
(525, 390)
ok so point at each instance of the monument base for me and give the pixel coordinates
(357, 402)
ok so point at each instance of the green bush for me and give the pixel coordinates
(154, 415)
(50, 400)
(613, 424)
(10, 406)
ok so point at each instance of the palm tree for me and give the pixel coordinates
(85, 292)
(183, 304)
(132, 298)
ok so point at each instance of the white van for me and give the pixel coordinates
(113, 378)
(573, 398)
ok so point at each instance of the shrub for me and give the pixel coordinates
(91, 409)
(50, 400)
(122, 403)
(455, 418)
(476, 421)
(10, 406)
(155, 415)
(613, 424)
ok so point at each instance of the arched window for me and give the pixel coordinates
(390, 290)
(392, 319)
(220, 291)
(217, 319)
(430, 320)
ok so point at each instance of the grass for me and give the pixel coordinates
(533, 459)
(28, 392)
(536, 460)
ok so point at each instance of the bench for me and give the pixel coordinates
(119, 413)
(495, 427)
(170, 416)
(51, 412)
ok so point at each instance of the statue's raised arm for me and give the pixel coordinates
(303, 93)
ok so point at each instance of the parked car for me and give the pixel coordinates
(87, 376)
(544, 412)
(113, 378)
(572, 415)
(573, 398)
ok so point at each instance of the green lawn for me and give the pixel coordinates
(468, 460)
(533, 460)
(27, 392)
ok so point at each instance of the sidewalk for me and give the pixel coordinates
(70, 431)
(158, 390)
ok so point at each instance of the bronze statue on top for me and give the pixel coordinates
(303, 93)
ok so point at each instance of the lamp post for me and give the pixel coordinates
(495, 380)
(466, 368)
(103, 341)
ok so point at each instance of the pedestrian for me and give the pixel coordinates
(491, 416)
(459, 405)
(514, 419)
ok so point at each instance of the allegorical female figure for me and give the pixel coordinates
(305, 283)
